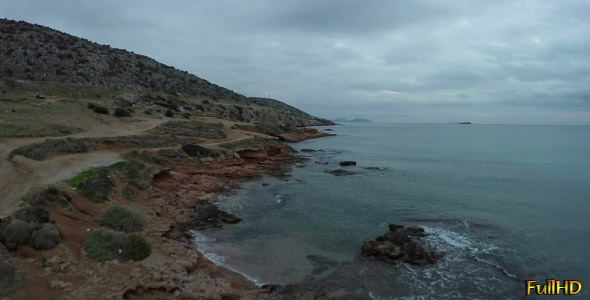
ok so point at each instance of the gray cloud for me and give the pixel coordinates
(403, 61)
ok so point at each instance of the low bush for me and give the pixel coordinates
(101, 110)
(91, 105)
(136, 248)
(104, 245)
(199, 151)
(121, 218)
(46, 237)
(16, 233)
(192, 128)
(48, 148)
(97, 188)
(121, 112)
(9, 282)
(48, 196)
(169, 114)
(32, 214)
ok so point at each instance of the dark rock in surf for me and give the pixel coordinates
(399, 245)
(207, 215)
(348, 163)
(340, 172)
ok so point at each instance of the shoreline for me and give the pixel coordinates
(176, 267)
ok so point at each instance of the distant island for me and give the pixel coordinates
(353, 120)
(465, 123)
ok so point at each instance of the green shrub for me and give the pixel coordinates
(121, 112)
(46, 237)
(121, 218)
(205, 102)
(103, 245)
(48, 196)
(32, 214)
(101, 110)
(136, 248)
(16, 233)
(91, 105)
(199, 151)
(52, 147)
(9, 283)
(97, 188)
(169, 114)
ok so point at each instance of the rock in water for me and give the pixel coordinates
(208, 215)
(399, 245)
(340, 172)
(348, 163)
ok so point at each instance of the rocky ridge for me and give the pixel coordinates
(37, 53)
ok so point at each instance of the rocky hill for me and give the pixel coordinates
(37, 53)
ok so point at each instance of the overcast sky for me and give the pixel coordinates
(516, 62)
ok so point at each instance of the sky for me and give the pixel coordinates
(491, 62)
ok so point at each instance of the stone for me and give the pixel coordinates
(399, 245)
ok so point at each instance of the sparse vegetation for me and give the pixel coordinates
(33, 130)
(121, 218)
(42, 150)
(266, 128)
(55, 147)
(199, 151)
(250, 143)
(192, 128)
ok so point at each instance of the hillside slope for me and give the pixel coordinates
(38, 53)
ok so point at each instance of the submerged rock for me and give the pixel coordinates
(399, 245)
(340, 172)
(348, 163)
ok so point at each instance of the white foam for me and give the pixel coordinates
(452, 238)
(279, 198)
(219, 260)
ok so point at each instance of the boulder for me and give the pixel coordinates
(207, 215)
(399, 245)
(348, 163)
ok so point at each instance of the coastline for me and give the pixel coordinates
(176, 268)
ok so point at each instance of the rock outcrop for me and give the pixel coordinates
(207, 215)
(399, 245)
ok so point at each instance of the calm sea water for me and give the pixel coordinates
(503, 203)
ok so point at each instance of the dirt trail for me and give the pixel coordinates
(19, 174)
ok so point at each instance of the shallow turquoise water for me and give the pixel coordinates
(504, 204)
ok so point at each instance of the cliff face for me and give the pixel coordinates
(38, 53)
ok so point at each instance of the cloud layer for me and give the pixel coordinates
(400, 61)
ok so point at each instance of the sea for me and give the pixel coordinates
(502, 204)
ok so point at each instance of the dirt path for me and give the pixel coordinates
(19, 174)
